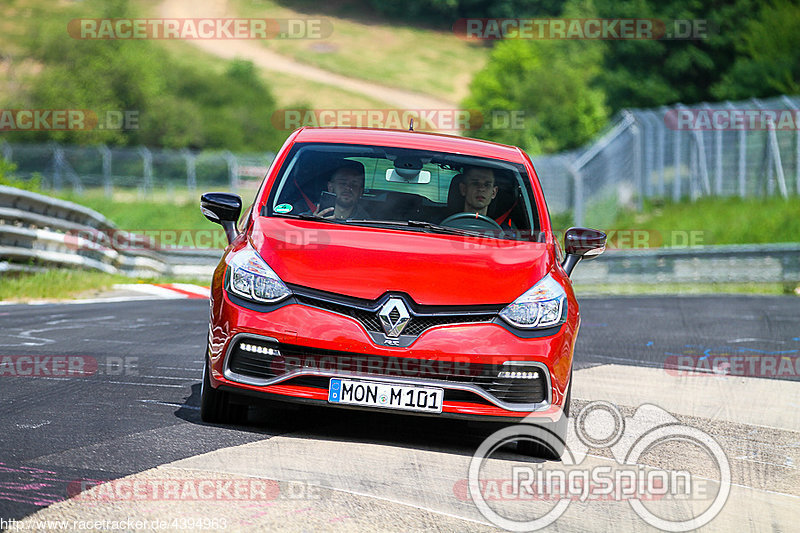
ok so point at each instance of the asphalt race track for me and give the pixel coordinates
(134, 410)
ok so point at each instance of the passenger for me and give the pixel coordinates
(478, 187)
(347, 183)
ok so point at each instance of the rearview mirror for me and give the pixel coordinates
(582, 243)
(224, 209)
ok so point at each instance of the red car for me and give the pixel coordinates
(395, 270)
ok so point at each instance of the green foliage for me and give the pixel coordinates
(444, 13)
(552, 82)
(175, 105)
(7, 178)
(564, 86)
(769, 60)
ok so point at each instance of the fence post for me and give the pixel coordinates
(660, 140)
(636, 131)
(650, 149)
(676, 164)
(8, 152)
(791, 105)
(191, 169)
(776, 158)
(233, 169)
(693, 153)
(717, 157)
(577, 177)
(702, 160)
(742, 170)
(58, 165)
(106, 154)
(147, 169)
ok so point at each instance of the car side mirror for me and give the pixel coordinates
(224, 209)
(582, 243)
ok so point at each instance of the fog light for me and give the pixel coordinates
(255, 348)
(507, 374)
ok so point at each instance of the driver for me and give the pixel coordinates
(347, 183)
(478, 188)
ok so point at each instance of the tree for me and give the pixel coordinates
(769, 55)
(551, 83)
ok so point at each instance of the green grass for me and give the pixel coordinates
(129, 212)
(708, 221)
(62, 284)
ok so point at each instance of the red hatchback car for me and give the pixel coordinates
(395, 270)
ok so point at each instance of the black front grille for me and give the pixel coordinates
(452, 370)
(416, 326)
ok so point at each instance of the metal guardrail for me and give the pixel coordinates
(773, 263)
(37, 231)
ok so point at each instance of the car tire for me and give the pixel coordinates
(215, 405)
(553, 439)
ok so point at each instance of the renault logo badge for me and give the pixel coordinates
(394, 317)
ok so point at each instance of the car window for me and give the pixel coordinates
(374, 185)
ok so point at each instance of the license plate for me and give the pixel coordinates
(386, 395)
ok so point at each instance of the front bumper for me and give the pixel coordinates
(326, 344)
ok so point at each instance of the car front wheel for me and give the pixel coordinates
(215, 405)
(552, 436)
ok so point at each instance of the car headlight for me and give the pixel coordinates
(252, 279)
(539, 307)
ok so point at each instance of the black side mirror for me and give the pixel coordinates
(582, 243)
(224, 209)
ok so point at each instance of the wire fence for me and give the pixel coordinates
(144, 171)
(746, 149)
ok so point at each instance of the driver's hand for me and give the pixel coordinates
(325, 213)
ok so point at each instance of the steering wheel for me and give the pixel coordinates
(471, 221)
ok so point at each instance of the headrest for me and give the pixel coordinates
(455, 200)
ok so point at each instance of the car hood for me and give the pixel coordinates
(366, 262)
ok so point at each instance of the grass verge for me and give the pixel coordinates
(132, 213)
(721, 220)
(708, 221)
(63, 284)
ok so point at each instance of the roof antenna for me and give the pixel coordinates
(411, 125)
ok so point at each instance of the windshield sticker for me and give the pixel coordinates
(283, 208)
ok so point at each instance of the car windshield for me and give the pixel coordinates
(415, 190)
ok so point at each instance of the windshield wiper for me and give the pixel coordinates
(445, 229)
(309, 216)
(423, 225)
